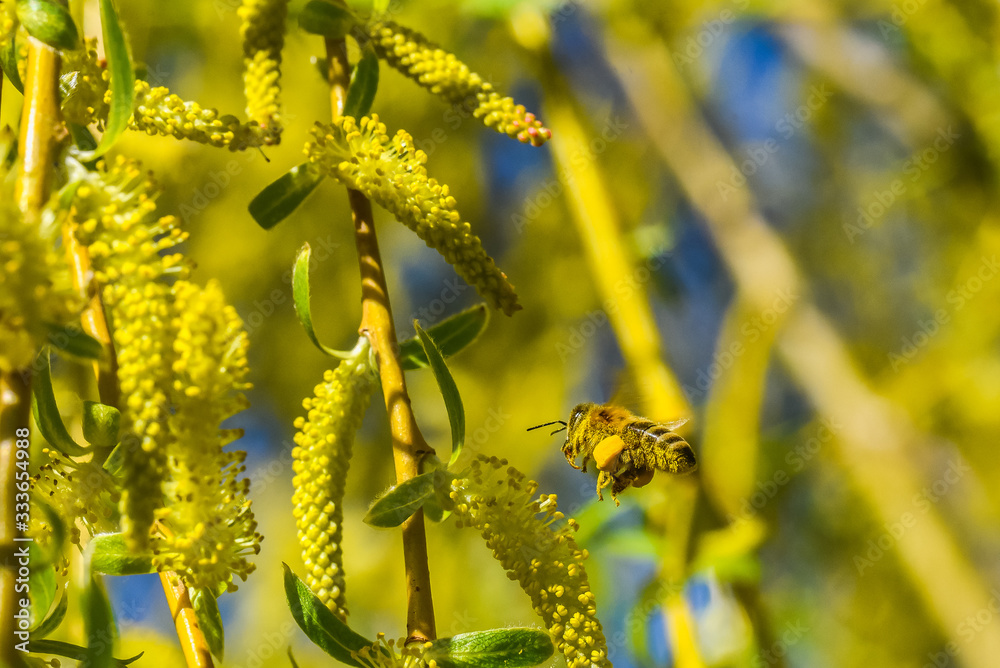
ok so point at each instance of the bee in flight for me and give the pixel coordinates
(627, 448)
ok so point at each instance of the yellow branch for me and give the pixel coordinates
(408, 445)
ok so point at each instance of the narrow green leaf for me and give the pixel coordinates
(498, 648)
(41, 584)
(55, 617)
(46, 412)
(109, 554)
(364, 84)
(400, 502)
(300, 295)
(122, 83)
(100, 424)
(54, 547)
(8, 62)
(99, 625)
(452, 400)
(71, 651)
(49, 22)
(82, 136)
(116, 460)
(320, 17)
(440, 504)
(279, 199)
(74, 341)
(451, 336)
(319, 624)
(206, 609)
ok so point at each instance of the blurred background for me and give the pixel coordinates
(778, 219)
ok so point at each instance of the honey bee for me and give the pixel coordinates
(627, 448)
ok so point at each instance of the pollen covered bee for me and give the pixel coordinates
(626, 448)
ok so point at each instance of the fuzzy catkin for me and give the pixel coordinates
(391, 172)
(156, 111)
(35, 289)
(321, 457)
(263, 33)
(545, 561)
(113, 215)
(182, 371)
(443, 74)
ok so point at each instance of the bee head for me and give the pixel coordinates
(578, 414)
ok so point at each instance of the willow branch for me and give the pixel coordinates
(408, 445)
(39, 127)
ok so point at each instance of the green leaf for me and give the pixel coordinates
(100, 424)
(320, 17)
(58, 527)
(451, 335)
(400, 502)
(439, 506)
(498, 648)
(8, 62)
(116, 460)
(319, 624)
(41, 584)
(98, 624)
(452, 400)
(206, 609)
(122, 83)
(300, 295)
(279, 199)
(55, 617)
(49, 22)
(71, 651)
(73, 340)
(109, 554)
(82, 136)
(364, 84)
(46, 412)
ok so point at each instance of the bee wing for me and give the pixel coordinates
(673, 426)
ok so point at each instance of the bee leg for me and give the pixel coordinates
(603, 480)
(571, 458)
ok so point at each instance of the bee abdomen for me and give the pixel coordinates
(661, 448)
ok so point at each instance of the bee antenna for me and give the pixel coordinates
(539, 426)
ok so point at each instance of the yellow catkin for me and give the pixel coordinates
(320, 461)
(443, 74)
(156, 111)
(546, 561)
(35, 290)
(182, 371)
(211, 528)
(391, 172)
(263, 33)
(113, 215)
